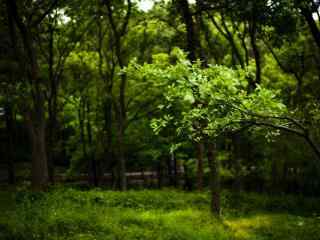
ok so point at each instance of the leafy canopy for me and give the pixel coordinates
(207, 101)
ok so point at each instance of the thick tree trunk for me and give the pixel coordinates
(35, 115)
(214, 179)
(37, 127)
(39, 168)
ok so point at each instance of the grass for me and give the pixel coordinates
(72, 214)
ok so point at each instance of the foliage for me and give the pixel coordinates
(207, 101)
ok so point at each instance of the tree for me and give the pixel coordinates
(35, 110)
(118, 32)
(226, 107)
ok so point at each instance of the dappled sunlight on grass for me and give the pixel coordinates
(274, 226)
(161, 215)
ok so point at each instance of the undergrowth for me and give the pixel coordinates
(67, 213)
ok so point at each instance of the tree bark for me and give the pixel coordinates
(39, 168)
(214, 179)
(192, 41)
(118, 34)
(229, 37)
(81, 116)
(200, 151)
(236, 162)
(52, 108)
(35, 114)
(10, 130)
(312, 25)
(256, 52)
(107, 79)
(92, 164)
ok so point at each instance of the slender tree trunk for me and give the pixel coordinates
(107, 78)
(118, 34)
(230, 38)
(174, 169)
(121, 124)
(187, 177)
(160, 173)
(244, 45)
(108, 152)
(10, 142)
(51, 109)
(194, 49)
(256, 52)
(121, 156)
(214, 179)
(81, 116)
(312, 25)
(237, 163)
(93, 163)
(200, 151)
(192, 41)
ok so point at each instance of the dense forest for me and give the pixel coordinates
(213, 104)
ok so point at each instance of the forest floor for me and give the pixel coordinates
(66, 213)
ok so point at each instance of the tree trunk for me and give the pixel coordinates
(52, 106)
(118, 34)
(35, 115)
(93, 163)
(10, 142)
(214, 179)
(236, 162)
(107, 79)
(108, 151)
(312, 25)
(187, 177)
(192, 41)
(121, 156)
(174, 170)
(200, 150)
(229, 37)
(81, 116)
(256, 53)
(37, 127)
(161, 168)
(39, 168)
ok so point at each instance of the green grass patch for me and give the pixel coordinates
(72, 214)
